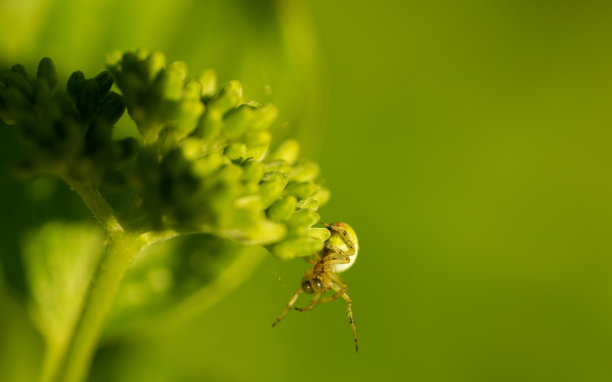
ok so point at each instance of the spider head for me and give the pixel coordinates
(312, 285)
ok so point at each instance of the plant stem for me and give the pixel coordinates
(119, 254)
(122, 248)
(98, 206)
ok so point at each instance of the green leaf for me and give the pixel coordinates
(21, 346)
(59, 259)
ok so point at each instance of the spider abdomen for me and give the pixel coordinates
(337, 239)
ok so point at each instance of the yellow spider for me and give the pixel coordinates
(337, 256)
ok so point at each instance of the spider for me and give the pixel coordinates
(338, 255)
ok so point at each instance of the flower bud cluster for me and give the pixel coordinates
(69, 131)
(206, 165)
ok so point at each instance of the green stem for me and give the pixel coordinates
(119, 254)
(98, 206)
(122, 248)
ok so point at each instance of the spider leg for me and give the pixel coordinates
(345, 236)
(313, 303)
(318, 300)
(340, 287)
(331, 298)
(336, 282)
(336, 260)
(328, 265)
(311, 260)
(351, 319)
(289, 305)
(337, 250)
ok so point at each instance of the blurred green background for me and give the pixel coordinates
(468, 143)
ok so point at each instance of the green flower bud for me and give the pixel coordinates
(205, 166)
(304, 218)
(141, 54)
(322, 196)
(192, 90)
(237, 121)
(12, 101)
(105, 82)
(129, 62)
(288, 151)
(278, 166)
(235, 151)
(253, 170)
(208, 80)
(262, 233)
(302, 189)
(47, 73)
(308, 203)
(264, 117)
(155, 63)
(21, 70)
(257, 143)
(18, 81)
(75, 84)
(87, 103)
(256, 139)
(113, 58)
(176, 73)
(229, 97)
(282, 209)
(210, 124)
(290, 249)
(187, 118)
(230, 174)
(193, 148)
(271, 187)
(305, 172)
(111, 108)
(321, 234)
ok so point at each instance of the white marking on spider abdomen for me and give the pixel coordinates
(339, 268)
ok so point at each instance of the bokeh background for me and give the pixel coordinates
(468, 143)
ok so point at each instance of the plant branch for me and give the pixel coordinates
(119, 254)
(121, 249)
(98, 206)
